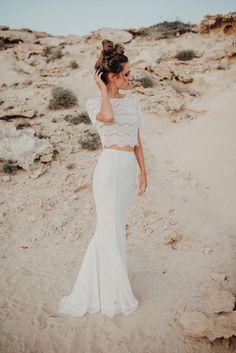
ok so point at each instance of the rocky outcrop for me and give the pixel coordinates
(226, 24)
(197, 324)
(115, 35)
(165, 30)
(210, 313)
(18, 112)
(25, 149)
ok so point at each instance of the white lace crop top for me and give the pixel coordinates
(128, 118)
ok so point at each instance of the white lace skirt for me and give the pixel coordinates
(102, 283)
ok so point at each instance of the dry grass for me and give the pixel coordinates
(185, 55)
(62, 98)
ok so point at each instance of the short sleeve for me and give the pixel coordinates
(93, 107)
(141, 123)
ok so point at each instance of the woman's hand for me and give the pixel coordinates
(142, 183)
(97, 77)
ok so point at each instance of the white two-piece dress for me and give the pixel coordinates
(102, 283)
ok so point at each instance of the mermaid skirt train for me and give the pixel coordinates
(102, 283)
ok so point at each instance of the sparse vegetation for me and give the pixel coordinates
(79, 118)
(146, 81)
(52, 53)
(91, 140)
(185, 55)
(21, 126)
(173, 25)
(9, 166)
(47, 50)
(74, 65)
(167, 29)
(62, 98)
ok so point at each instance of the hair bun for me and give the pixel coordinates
(119, 48)
(109, 49)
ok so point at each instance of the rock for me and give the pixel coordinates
(143, 60)
(174, 105)
(116, 35)
(55, 68)
(213, 299)
(148, 92)
(18, 112)
(4, 28)
(231, 51)
(23, 67)
(163, 71)
(52, 41)
(136, 31)
(46, 158)
(209, 313)
(225, 23)
(193, 323)
(36, 169)
(183, 77)
(210, 300)
(222, 65)
(182, 72)
(8, 42)
(197, 324)
(24, 148)
(215, 55)
(17, 36)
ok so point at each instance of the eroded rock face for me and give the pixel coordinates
(14, 105)
(13, 37)
(23, 147)
(210, 313)
(197, 324)
(18, 112)
(115, 35)
(225, 23)
(163, 70)
(57, 69)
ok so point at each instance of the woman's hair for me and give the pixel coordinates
(111, 59)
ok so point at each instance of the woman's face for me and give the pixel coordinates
(123, 79)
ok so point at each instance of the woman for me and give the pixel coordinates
(102, 283)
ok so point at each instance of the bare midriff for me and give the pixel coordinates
(121, 148)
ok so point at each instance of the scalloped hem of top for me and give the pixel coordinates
(104, 311)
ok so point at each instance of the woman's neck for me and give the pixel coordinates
(113, 92)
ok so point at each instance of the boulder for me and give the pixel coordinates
(23, 147)
(208, 313)
(116, 35)
(197, 324)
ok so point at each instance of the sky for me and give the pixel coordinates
(80, 17)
